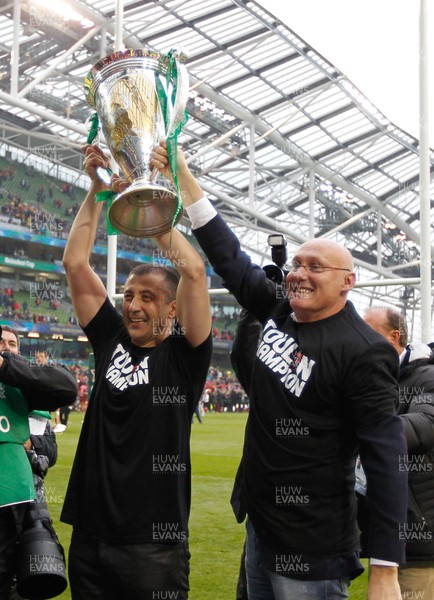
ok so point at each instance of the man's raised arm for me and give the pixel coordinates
(87, 290)
(192, 298)
(245, 280)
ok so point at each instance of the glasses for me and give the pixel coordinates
(314, 267)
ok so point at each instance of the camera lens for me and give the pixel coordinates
(274, 273)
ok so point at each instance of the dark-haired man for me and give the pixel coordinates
(128, 498)
(23, 387)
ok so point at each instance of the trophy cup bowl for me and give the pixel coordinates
(122, 89)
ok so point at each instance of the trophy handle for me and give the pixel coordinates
(181, 96)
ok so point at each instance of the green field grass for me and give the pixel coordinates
(216, 539)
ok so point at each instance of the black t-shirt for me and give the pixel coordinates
(131, 477)
(315, 387)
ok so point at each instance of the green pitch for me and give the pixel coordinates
(216, 540)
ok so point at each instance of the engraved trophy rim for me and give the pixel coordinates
(94, 76)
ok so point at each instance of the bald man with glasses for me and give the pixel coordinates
(323, 388)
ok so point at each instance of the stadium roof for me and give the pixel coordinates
(278, 136)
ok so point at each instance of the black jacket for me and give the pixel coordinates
(244, 348)
(416, 408)
(242, 356)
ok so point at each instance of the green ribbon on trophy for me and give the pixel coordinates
(174, 123)
(109, 196)
(93, 128)
(106, 195)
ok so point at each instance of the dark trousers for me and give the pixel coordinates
(242, 577)
(101, 571)
(11, 522)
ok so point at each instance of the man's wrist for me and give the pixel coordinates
(378, 562)
(97, 185)
(200, 213)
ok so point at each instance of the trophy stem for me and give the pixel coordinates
(144, 209)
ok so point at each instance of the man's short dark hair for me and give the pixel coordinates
(14, 331)
(170, 276)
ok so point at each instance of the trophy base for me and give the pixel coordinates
(144, 210)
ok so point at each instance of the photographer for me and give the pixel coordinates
(23, 387)
(41, 450)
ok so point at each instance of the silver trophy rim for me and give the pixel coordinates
(94, 76)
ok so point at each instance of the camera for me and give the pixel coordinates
(41, 571)
(276, 272)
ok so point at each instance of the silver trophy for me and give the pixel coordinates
(129, 91)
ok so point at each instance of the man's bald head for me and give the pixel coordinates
(337, 254)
